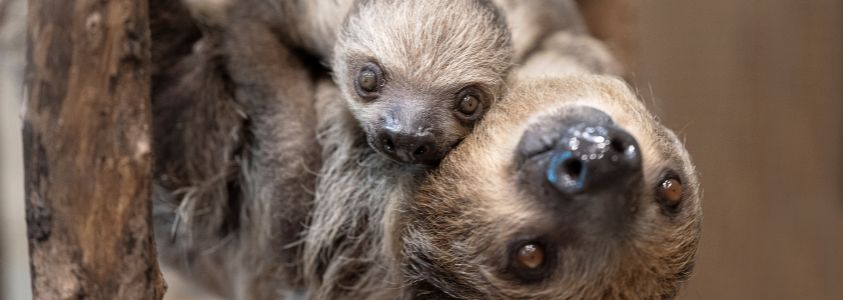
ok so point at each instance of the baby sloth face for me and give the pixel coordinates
(568, 189)
(418, 75)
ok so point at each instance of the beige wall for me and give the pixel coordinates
(14, 266)
(756, 88)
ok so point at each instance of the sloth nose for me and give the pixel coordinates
(583, 167)
(407, 147)
(590, 157)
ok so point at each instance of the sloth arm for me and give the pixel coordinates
(531, 22)
(196, 128)
(567, 53)
(275, 91)
(550, 38)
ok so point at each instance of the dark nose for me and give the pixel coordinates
(407, 147)
(592, 156)
(584, 168)
(580, 151)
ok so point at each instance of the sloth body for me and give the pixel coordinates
(267, 187)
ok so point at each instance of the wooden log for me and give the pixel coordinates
(87, 152)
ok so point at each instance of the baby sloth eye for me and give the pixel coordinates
(469, 103)
(670, 192)
(369, 80)
(530, 256)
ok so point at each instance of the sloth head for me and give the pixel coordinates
(568, 189)
(418, 75)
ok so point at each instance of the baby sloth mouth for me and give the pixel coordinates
(408, 147)
(410, 132)
(584, 168)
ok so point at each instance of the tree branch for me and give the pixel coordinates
(87, 151)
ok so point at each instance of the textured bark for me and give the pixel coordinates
(87, 151)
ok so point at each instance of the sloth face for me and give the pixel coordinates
(414, 126)
(417, 88)
(568, 188)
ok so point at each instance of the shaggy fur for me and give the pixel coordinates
(233, 188)
(198, 138)
(245, 236)
(346, 253)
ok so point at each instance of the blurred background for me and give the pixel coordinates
(755, 88)
(14, 263)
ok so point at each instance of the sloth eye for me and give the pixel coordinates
(529, 261)
(369, 80)
(469, 103)
(670, 192)
(530, 256)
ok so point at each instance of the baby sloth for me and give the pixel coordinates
(417, 75)
(584, 195)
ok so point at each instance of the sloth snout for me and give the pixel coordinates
(408, 147)
(583, 166)
(591, 157)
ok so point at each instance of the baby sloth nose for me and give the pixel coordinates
(592, 156)
(409, 147)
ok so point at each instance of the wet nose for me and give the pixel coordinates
(583, 167)
(592, 156)
(415, 148)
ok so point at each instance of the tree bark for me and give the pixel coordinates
(87, 152)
